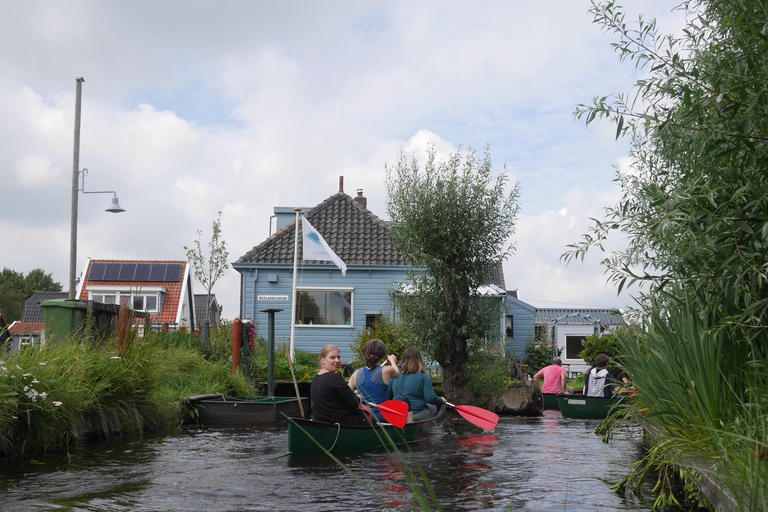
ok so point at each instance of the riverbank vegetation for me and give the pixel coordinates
(75, 391)
(694, 212)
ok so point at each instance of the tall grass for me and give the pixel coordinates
(69, 392)
(704, 389)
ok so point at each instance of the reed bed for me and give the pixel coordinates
(72, 391)
(704, 389)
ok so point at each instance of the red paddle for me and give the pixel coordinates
(486, 420)
(394, 411)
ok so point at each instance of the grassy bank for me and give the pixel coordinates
(71, 391)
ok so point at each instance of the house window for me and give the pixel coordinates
(151, 302)
(510, 326)
(324, 307)
(371, 319)
(573, 346)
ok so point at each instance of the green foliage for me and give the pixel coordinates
(15, 288)
(453, 220)
(208, 269)
(694, 211)
(605, 343)
(488, 372)
(63, 393)
(540, 351)
(395, 335)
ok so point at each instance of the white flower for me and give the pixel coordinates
(27, 374)
(43, 395)
(26, 388)
(56, 404)
(115, 357)
(35, 381)
(42, 364)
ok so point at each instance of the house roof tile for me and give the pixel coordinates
(577, 316)
(33, 312)
(355, 234)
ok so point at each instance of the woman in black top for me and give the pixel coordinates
(332, 399)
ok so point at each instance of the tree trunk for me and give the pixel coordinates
(455, 385)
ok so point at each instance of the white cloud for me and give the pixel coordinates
(36, 171)
(242, 106)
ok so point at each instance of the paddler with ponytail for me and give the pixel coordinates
(372, 381)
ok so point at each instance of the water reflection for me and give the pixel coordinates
(527, 464)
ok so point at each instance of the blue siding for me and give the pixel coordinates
(370, 287)
(524, 316)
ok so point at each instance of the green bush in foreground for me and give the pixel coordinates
(60, 394)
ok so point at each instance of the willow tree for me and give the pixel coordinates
(453, 220)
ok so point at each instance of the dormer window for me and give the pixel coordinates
(149, 299)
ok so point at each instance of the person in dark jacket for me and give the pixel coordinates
(332, 400)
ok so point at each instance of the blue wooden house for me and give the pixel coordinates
(332, 308)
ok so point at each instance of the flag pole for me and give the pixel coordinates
(291, 353)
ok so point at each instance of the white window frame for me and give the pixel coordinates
(351, 292)
(120, 293)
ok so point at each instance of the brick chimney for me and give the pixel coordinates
(361, 199)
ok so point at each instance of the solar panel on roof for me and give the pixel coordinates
(142, 272)
(127, 271)
(97, 271)
(157, 273)
(112, 272)
(173, 272)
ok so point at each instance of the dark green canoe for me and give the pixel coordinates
(585, 407)
(550, 401)
(340, 439)
(244, 411)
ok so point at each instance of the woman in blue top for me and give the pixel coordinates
(415, 387)
(372, 381)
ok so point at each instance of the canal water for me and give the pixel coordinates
(540, 464)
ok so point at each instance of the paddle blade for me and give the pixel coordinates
(395, 412)
(482, 418)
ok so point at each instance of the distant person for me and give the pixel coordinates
(372, 382)
(554, 377)
(414, 386)
(599, 382)
(332, 400)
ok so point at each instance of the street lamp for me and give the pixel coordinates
(78, 185)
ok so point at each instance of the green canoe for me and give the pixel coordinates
(340, 439)
(550, 401)
(585, 407)
(221, 410)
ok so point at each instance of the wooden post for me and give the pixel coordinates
(237, 343)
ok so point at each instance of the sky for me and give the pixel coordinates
(194, 107)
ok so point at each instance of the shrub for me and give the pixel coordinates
(488, 372)
(606, 343)
(539, 352)
(395, 335)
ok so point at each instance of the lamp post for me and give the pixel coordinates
(78, 185)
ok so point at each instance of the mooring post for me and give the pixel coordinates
(271, 350)
(237, 342)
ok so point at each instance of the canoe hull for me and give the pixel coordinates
(550, 401)
(244, 411)
(585, 407)
(344, 439)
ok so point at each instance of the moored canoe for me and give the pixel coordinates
(304, 436)
(244, 411)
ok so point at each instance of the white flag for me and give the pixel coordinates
(315, 248)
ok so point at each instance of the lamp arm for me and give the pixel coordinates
(82, 174)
